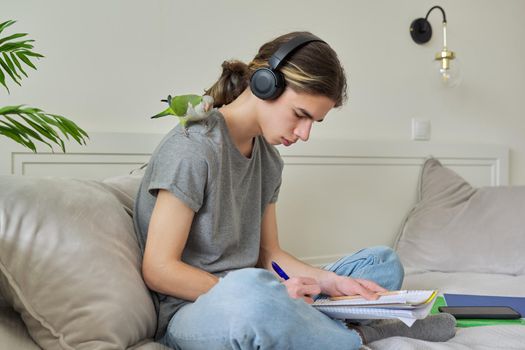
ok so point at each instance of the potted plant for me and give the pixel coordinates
(23, 124)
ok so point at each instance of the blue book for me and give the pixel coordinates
(517, 303)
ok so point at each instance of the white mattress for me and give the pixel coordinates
(482, 338)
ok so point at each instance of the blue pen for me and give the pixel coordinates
(279, 271)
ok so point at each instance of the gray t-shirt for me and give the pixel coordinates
(228, 192)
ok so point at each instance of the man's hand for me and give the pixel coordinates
(338, 286)
(302, 287)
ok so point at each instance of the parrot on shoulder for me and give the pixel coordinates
(188, 108)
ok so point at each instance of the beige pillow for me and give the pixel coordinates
(455, 227)
(13, 332)
(125, 188)
(70, 264)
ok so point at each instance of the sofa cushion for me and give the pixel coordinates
(70, 264)
(466, 283)
(13, 332)
(455, 227)
(125, 187)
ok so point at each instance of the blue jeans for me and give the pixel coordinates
(251, 309)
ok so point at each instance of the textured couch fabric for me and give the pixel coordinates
(70, 263)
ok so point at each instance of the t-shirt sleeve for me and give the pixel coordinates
(184, 174)
(275, 195)
(279, 176)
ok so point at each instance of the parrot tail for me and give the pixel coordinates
(167, 111)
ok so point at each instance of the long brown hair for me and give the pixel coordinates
(312, 69)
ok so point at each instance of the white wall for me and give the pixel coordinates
(108, 63)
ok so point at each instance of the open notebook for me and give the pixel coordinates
(405, 305)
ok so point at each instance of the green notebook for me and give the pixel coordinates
(440, 301)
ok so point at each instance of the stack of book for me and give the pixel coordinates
(405, 305)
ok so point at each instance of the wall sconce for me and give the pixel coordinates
(421, 32)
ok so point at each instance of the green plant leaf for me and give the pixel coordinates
(15, 60)
(14, 136)
(71, 128)
(6, 24)
(32, 110)
(40, 130)
(55, 122)
(18, 136)
(10, 109)
(26, 60)
(47, 131)
(8, 71)
(12, 53)
(16, 46)
(2, 80)
(11, 37)
(33, 54)
(27, 124)
(39, 126)
(24, 129)
(10, 64)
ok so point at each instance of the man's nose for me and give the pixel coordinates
(303, 129)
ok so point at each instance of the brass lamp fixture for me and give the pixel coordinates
(421, 32)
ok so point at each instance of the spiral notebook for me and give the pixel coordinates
(405, 305)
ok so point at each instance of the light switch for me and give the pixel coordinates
(420, 129)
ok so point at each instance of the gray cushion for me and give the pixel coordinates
(455, 227)
(70, 264)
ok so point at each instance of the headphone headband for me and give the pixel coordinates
(286, 49)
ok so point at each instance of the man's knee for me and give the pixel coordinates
(386, 259)
(252, 298)
(387, 256)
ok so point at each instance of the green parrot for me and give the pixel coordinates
(188, 108)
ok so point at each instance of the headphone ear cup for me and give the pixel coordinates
(267, 84)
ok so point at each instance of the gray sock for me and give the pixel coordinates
(440, 327)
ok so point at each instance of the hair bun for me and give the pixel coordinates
(234, 67)
(236, 71)
(232, 82)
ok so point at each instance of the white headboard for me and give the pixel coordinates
(337, 195)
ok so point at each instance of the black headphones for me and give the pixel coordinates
(268, 83)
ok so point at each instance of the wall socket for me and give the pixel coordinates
(420, 129)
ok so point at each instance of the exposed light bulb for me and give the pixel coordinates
(449, 70)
